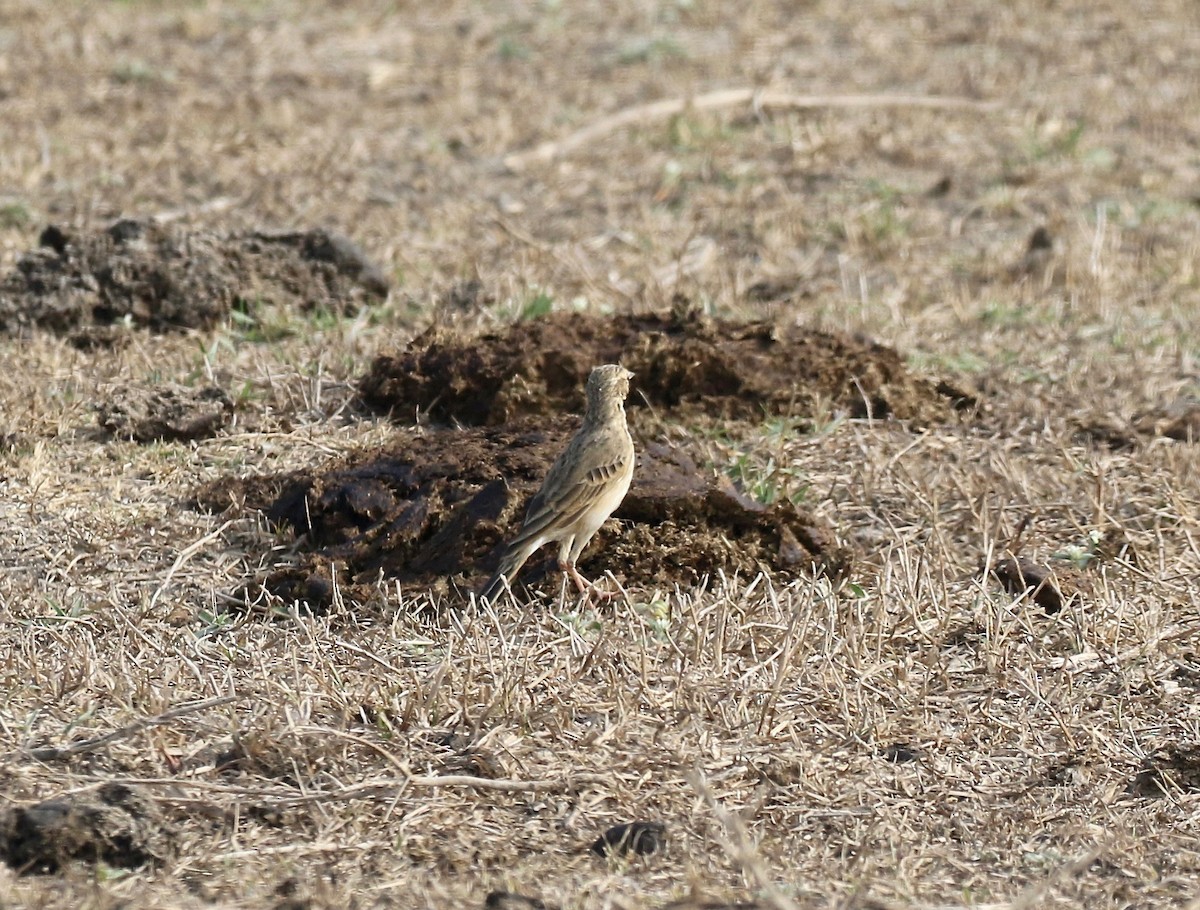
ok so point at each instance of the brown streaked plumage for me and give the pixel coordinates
(583, 487)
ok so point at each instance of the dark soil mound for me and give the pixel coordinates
(681, 362)
(115, 825)
(165, 277)
(433, 510)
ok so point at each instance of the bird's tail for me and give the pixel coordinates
(510, 565)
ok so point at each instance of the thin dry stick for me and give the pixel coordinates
(379, 789)
(302, 849)
(787, 650)
(363, 652)
(56, 752)
(187, 553)
(732, 97)
(744, 851)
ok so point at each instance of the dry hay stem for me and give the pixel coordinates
(758, 99)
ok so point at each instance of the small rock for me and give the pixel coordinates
(115, 825)
(1175, 769)
(899, 753)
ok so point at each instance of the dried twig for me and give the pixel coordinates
(375, 790)
(52, 753)
(741, 846)
(656, 110)
(185, 554)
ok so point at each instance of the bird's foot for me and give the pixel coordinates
(588, 590)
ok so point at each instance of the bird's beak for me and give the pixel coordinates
(629, 374)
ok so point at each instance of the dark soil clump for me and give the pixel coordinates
(640, 838)
(434, 509)
(1178, 421)
(165, 277)
(115, 825)
(1049, 589)
(682, 362)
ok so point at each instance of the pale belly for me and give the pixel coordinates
(591, 520)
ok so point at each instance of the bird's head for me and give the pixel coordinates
(608, 383)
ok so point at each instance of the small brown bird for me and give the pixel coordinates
(584, 486)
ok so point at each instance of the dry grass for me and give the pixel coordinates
(754, 720)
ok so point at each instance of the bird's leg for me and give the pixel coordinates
(568, 569)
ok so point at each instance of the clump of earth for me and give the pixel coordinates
(115, 825)
(164, 411)
(433, 509)
(166, 277)
(683, 362)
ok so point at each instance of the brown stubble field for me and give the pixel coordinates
(908, 735)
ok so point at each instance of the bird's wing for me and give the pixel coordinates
(577, 479)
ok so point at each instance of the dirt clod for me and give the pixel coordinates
(1046, 586)
(1178, 421)
(681, 363)
(165, 277)
(641, 838)
(115, 825)
(899, 753)
(166, 411)
(508, 900)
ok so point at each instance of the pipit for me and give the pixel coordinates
(584, 486)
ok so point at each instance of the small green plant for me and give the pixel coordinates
(768, 483)
(958, 361)
(1005, 315)
(1055, 142)
(14, 215)
(856, 590)
(586, 625)
(256, 321)
(139, 72)
(537, 306)
(1081, 555)
(510, 48)
(656, 614)
(880, 223)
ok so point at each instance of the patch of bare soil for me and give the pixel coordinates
(683, 362)
(165, 277)
(115, 825)
(434, 509)
(1179, 421)
(1172, 770)
(166, 411)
